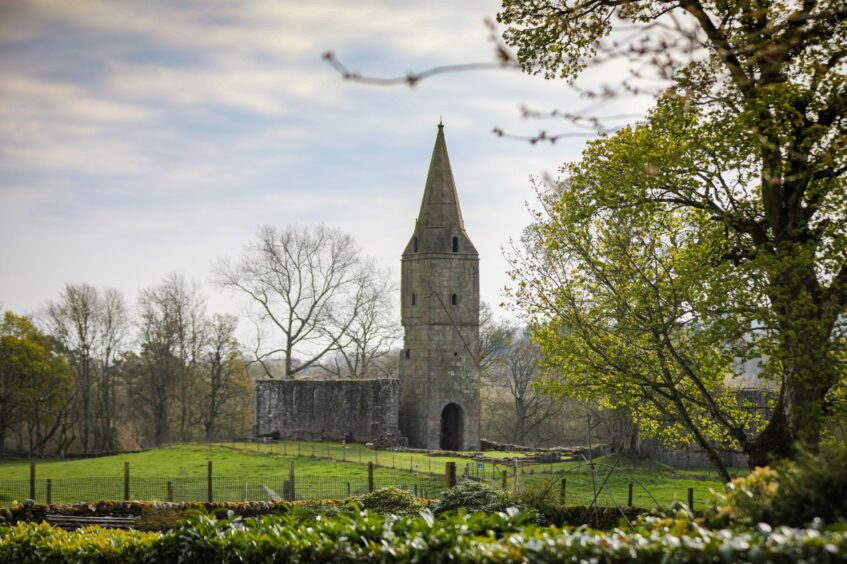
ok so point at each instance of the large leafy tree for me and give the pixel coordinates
(35, 381)
(635, 305)
(768, 77)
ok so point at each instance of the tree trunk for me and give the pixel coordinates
(808, 369)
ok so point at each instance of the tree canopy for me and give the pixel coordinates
(727, 204)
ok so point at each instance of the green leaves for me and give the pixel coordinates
(740, 168)
(365, 537)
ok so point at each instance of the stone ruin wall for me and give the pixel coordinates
(361, 410)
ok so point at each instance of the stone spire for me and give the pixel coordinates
(440, 204)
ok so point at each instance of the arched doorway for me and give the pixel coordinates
(452, 427)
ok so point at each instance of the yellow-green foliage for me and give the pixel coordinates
(793, 493)
(748, 498)
(390, 500)
(31, 542)
(367, 537)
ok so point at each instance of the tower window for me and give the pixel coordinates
(414, 298)
(408, 353)
(455, 244)
(454, 299)
(415, 244)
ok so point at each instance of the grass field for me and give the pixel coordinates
(257, 471)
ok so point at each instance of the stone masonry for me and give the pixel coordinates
(436, 402)
(439, 371)
(361, 410)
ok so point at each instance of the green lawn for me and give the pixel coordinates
(325, 469)
(652, 483)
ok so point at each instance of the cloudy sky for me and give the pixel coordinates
(143, 138)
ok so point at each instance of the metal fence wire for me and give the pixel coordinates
(232, 489)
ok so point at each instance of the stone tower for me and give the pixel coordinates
(439, 370)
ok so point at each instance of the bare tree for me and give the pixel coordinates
(170, 325)
(114, 327)
(518, 371)
(224, 378)
(367, 341)
(73, 320)
(495, 337)
(309, 285)
(91, 325)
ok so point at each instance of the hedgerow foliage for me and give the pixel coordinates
(474, 496)
(792, 493)
(367, 537)
(392, 501)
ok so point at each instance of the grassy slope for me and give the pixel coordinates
(663, 483)
(336, 460)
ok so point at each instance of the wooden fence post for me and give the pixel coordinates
(49, 493)
(291, 480)
(564, 492)
(505, 480)
(629, 497)
(126, 481)
(450, 474)
(516, 475)
(370, 477)
(32, 481)
(691, 499)
(170, 491)
(210, 496)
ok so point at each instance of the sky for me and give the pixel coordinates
(143, 138)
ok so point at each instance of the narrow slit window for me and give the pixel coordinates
(408, 353)
(454, 299)
(414, 298)
(415, 244)
(455, 244)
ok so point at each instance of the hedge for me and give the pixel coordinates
(368, 537)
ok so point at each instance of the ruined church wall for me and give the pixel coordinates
(328, 409)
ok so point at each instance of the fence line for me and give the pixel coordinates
(224, 488)
(419, 475)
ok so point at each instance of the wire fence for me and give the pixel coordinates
(422, 473)
(219, 488)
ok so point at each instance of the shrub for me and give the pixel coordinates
(748, 498)
(473, 497)
(390, 500)
(793, 492)
(368, 537)
(550, 511)
(813, 486)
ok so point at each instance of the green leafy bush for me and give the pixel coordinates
(748, 498)
(27, 543)
(792, 493)
(550, 511)
(390, 500)
(368, 537)
(813, 486)
(473, 497)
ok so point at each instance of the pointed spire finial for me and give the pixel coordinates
(440, 205)
(440, 123)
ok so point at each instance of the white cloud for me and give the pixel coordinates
(141, 138)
